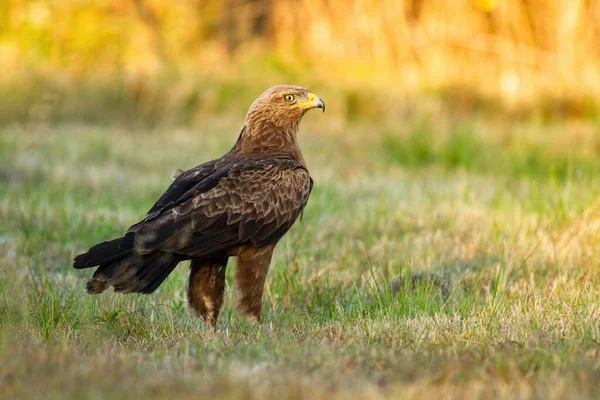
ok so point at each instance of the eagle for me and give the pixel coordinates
(239, 205)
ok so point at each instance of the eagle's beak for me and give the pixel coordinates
(314, 101)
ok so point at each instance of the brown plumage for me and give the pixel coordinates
(239, 205)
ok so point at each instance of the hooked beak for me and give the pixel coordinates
(314, 101)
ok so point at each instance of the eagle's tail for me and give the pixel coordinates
(103, 253)
(134, 273)
(126, 271)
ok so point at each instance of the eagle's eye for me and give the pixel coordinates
(289, 97)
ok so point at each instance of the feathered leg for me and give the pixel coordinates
(206, 287)
(250, 275)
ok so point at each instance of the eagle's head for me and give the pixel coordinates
(283, 106)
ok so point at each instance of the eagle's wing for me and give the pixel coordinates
(249, 201)
(182, 183)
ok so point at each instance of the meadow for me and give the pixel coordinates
(443, 253)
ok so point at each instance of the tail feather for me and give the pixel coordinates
(134, 273)
(95, 286)
(156, 268)
(154, 284)
(103, 253)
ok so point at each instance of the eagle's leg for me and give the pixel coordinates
(206, 287)
(250, 275)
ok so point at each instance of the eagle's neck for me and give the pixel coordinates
(265, 139)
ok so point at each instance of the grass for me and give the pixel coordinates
(450, 258)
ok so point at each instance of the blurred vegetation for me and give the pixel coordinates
(429, 263)
(161, 61)
(460, 147)
(450, 246)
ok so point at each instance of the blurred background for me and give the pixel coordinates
(177, 61)
(450, 245)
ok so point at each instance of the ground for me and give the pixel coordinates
(443, 257)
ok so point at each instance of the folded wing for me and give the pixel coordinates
(251, 201)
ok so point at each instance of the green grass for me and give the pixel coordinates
(451, 258)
